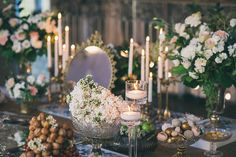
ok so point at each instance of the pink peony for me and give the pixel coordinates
(20, 36)
(3, 37)
(33, 90)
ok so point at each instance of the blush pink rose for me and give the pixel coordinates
(34, 35)
(3, 37)
(222, 34)
(33, 90)
(173, 40)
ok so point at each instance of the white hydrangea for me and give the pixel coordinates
(208, 54)
(193, 20)
(233, 22)
(36, 145)
(93, 104)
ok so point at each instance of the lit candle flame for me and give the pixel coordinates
(67, 28)
(49, 38)
(59, 16)
(56, 37)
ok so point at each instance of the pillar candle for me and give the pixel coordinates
(49, 52)
(143, 66)
(150, 88)
(147, 58)
(160, 67)
(60, 33)
(131, 49)
(56, 57)
(72, 49)
(67, 40)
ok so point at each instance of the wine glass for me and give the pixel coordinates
(136, 91)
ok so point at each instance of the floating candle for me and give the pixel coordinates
(130, 116)
(136, 94)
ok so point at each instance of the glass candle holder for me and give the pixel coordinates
(136, 92)
(131, 118)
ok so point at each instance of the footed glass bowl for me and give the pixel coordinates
(95, 135)
(181, 146)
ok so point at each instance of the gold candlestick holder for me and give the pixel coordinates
(167, 113)
(49, 86)
(159, 99)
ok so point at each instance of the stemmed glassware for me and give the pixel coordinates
(136, 96)
(136, 92)
(214, 135)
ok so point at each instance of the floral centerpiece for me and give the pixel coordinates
(22, 39)
(26, 88)
(204, 54)
(95, 110)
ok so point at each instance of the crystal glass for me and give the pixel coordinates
(131, 118)
(96, 135)
(136, 92)
(214, 135)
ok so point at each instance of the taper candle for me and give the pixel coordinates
(59, 16)
(64, 57)
(143, 66)
(160, 67)
(166, 66)
(131, 49)
(67, 40)
(56, 56)
(72, 49)
(150, 87)
(49, 52)
(147, 58)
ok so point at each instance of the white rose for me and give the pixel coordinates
(223, 56)
(41, 80)
(233, 22)
(17, 90)
(208, 54)
(10, 83)
(193, 75)
(188, 52)
(193, 20)
(179, 28)
(13, 22)
(30, 79)
(25, 26)
(176, 62)
(186, 64)
(200, 64)
(218, 60)
(16, 47)
(41, 25)
(26, 44)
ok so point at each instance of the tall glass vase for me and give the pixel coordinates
(215, 103)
